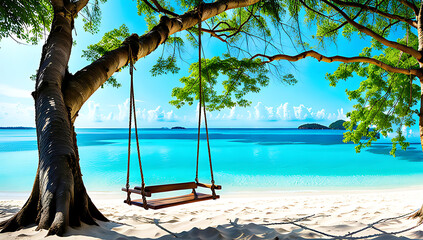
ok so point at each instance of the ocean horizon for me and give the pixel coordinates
(244, 159)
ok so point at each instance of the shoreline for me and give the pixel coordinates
(22, 195)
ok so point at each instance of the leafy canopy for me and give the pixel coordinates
(385, 101)
(27, 20)
(227, 79)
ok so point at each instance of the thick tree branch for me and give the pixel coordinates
(377, 11)
(410, 5)
(57, 4)
(323, 58)
(418, 55)
(86, 81)
(420, 29)
(80, 5)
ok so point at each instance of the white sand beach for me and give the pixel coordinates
(247, 216)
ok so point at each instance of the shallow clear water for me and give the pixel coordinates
(243, 159)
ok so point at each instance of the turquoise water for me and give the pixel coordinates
(243, 159)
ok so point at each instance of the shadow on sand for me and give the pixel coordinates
(233, 230)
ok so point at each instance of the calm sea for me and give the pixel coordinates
(243, 160)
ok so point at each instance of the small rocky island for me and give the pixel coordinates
(312, 126)
(337, 125)
(177, 128)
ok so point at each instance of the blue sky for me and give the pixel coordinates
(278, 105)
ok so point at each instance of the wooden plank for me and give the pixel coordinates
(168, 187)
(174, 201)
(147, 194)
(217, 187)
(137, 202)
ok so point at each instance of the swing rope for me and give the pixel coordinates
(200, 93)
(202, 109)
(132, 114)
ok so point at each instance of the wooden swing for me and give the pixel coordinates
(147, 191)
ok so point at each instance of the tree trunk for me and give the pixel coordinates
(419, 213)
(419, 17)
(58, 197)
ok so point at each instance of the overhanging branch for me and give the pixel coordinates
(376, 36)
(86, 81)
(410, 5)
(377, 11)
(80, 5)
(323, 58)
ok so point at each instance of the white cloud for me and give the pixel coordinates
(231, 115)
(407, 132)
(155, 114)
(9, 91)
(249, 115)
(94, 113)
(302, 113)
(159, 115)
(284, 112)
(170, 116)
(118, 115)
(319, 114)
(341, 114)
(16, 114)
(262, 112)
(218, 116)
(123, 111)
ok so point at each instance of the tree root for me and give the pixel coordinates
(54, 212)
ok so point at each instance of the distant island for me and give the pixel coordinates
(337, 125)
(173, 128)
(17, 128)
(312, 126)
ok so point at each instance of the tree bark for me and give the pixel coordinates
(419, 17)
(58, 198)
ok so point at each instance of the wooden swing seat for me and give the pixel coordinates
(171, 201)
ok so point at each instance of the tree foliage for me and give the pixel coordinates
(111, 40)
(227, 79)
(27, 21)
(386, 101)
(240, 78)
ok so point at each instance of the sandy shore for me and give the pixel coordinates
(247, 216)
